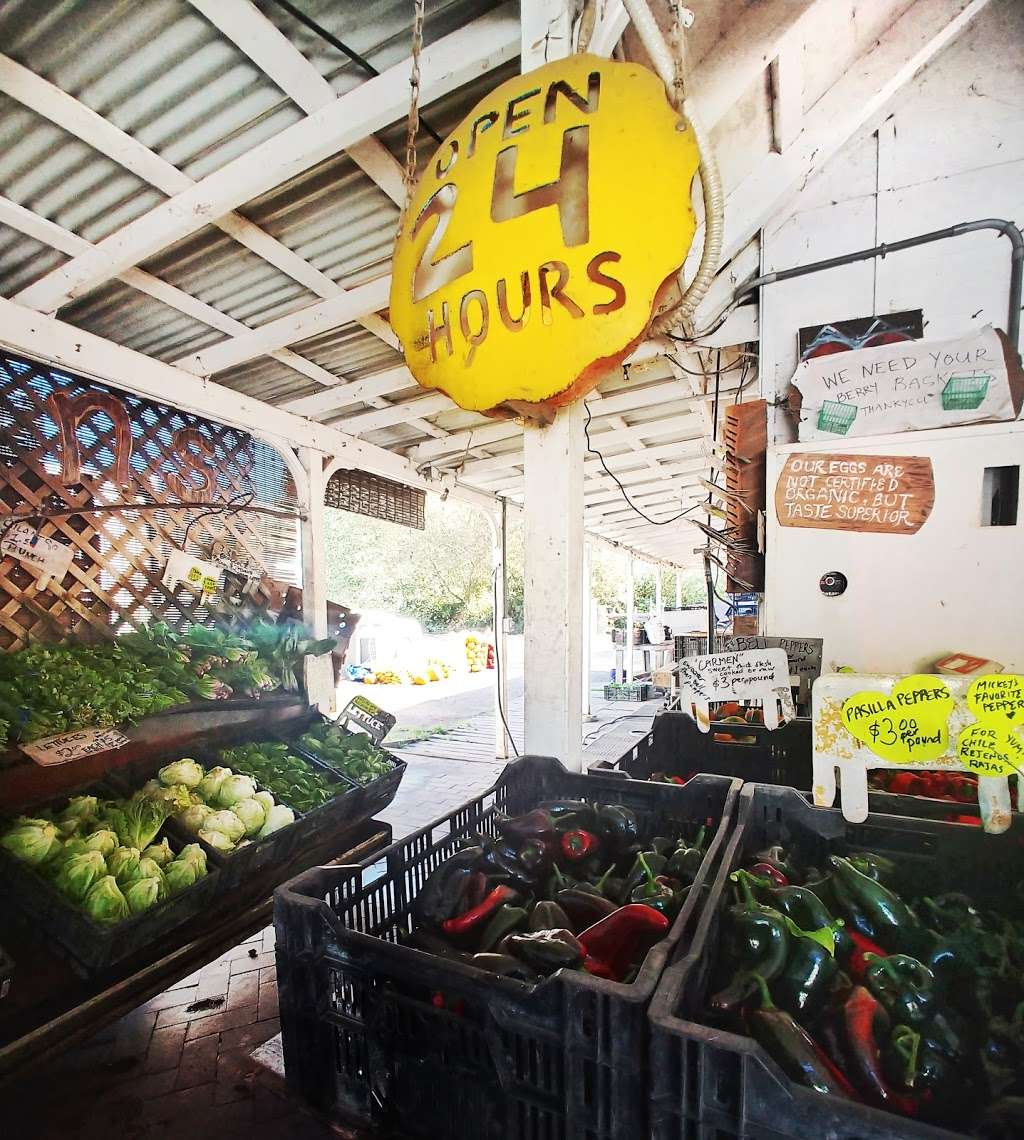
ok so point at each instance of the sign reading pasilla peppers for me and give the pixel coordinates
(540, 234)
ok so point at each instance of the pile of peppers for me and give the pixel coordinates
(568, 885)
(956, 787)
(862, 990)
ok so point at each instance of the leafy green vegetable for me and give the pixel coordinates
(209, 784)
(236, 787)
(180, 875)
(137, 821)
(186, 772)
(123, 864)
(352, 753)
(217, 840)
(77, 874)
(105, 903)
(252, 813)
(227, 823)
(32, 841)
(104, 841)
(279, 816)
(85, 808)
(193, 853)
(160, 853)
(145, 893)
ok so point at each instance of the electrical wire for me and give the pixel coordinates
(591, 450)
(497, 662)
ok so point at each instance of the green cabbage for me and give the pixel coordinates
(266, 799)
(180, 875)
(70, 828)
(234, 788)
(138, 821)
(193, 818)
(77, 874)
(186, 772)
(160, 853)
(177, 797)
(227, 823)
(207, 789)
(104, 841)
(145, 869)
(217, 840)
(32, 841)
(193, 853)
(279, 816)
(104, 901)
(144, 893)
(81, 807)
(252, 814)
(123, 863)
(70, 848)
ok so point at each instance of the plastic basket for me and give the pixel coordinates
(696, 644)
(638, 691)
(389, 1036)
(6, 972)
(91, 946)
(836, 417)
(675, 746)
(711, 1083)
(965, 393)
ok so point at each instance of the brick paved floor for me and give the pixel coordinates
(179, 1067)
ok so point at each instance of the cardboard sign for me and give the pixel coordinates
(374, 721)
(541, 232)
(754, 675)
(70, 746)
(44, 557)
(872, 494)
(906, 386)
(998, 697)
(908, 725)
(195, 572)
(991, 750)
(803, 653)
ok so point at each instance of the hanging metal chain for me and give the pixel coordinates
(413, 123)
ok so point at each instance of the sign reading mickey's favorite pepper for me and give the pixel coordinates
(907, 725)
(540, 235)
(993, 746)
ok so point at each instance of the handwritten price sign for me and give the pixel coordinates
(909, 725)
(70, 746)
(755, 674)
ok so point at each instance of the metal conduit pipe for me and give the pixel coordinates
(712, 191)
(1006, 229)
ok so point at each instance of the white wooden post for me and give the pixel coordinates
(627, 657)
(659, 603)
(679, 589)
(318, 671)
(498, 554)
(553, 511)
(588, 628)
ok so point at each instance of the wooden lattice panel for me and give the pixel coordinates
(746, 442)
(171, 457)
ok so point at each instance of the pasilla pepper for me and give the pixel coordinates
(622, 939)
(505, 920)
(477, 917)
(612, 886)
(805, 983)
(441, 896)
(654, 891)
(547, 950)
(505, 966)
(806, 910)
(547, 915)
(577, 844)
(904, 986)
(866, 1023)
(863, 949)
(500, 863)
(618, 825)
(583, 907)
(792, 1048)
(900, 1056)
(579, 812)
(647, 863)
(767, 871)
(537, 824)
(685, 862)
(894, 924)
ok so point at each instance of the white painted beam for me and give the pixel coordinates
(354, 392)
(282, 62)
(787, 84)
(611, 22)
(394, 414)
(447, 64)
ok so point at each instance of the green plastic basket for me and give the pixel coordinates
(836, 417)
(965, 393)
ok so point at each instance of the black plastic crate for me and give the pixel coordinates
(90, 946)
(387, 1035)
(675, 746)
(6, 972)
(638, 691)
(711, 1083)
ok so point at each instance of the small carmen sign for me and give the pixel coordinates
(541, 234)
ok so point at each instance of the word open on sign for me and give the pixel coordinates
(541, 233)
(753, 675)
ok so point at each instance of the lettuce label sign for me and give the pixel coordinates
(541, 233)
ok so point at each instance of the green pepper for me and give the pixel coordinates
(618, 825)
(876, 867)
(900, 1056)
(505, 966)
(807, 910)
(653, 892)
(547, 950)
(583, 908)
(685, 862)
(805, 983)
(904, 986)
(648, 863)
(547, 915)
(895, 926)
(612, 886)
(506, 920)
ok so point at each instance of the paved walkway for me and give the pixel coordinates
(179, 1067)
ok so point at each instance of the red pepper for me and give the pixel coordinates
(767, 871)
(598, 969)
(621, 939)
(476, 916)
(861, 1015)
(970, 820)
(861, 946)
(907, 784)
(578, 844)
(676, 780)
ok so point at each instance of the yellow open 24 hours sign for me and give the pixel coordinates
(540, 236)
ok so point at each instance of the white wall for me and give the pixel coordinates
(912, 598)
(950, 150)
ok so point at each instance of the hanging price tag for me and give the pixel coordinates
(195, 572)
(44, 557)
(70, 746)
(752, 675)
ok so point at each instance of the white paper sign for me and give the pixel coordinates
(195, 572)
(74, 745)
(753, 675)
(45, 557)
(906, 386)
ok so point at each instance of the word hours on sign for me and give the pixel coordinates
(541, 233)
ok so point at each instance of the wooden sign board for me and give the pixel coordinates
(755, 674)
(871, 494)
(804, 653)
(70, 746)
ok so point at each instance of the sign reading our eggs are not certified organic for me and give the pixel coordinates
(541, 233)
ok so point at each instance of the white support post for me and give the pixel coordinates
(319, 671)
(679, 589)
(588, 628)
(498, 556)
(659, 602)
(553, 510)
(627, 657)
